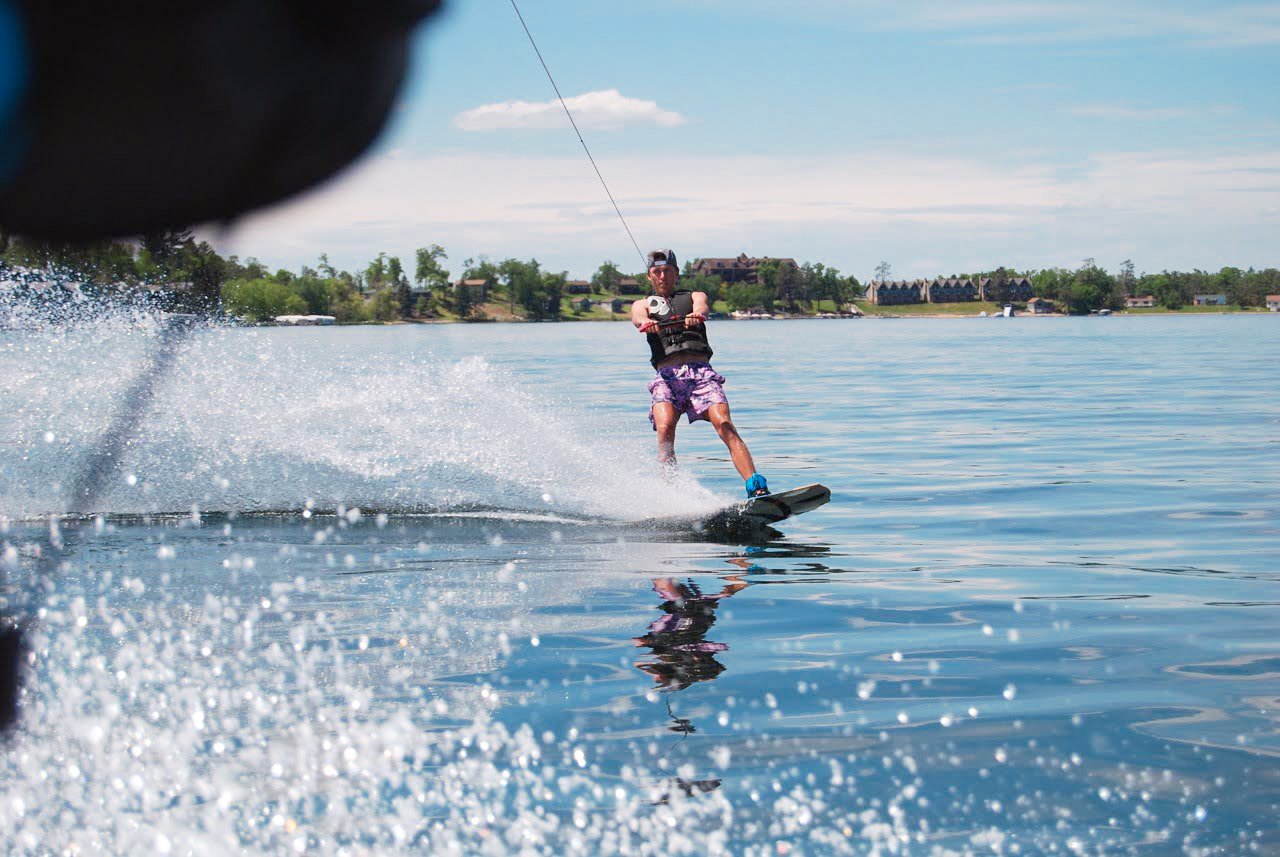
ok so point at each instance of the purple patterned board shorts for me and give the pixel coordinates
(691, 387)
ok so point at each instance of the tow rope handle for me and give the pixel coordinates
(674, 321)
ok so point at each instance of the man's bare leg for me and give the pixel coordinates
(719, 416)
(665, 418)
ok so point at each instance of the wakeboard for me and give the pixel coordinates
(755, 514)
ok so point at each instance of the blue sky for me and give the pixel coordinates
(937, 136)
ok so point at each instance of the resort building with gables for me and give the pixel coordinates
(1020, 289)
(945, 290)
(743, 269)
(895, 292)
(950, 290)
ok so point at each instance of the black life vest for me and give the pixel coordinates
(677, 339)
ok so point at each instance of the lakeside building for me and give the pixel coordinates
(1209, 300)
(950, 290)
(1040, 306)
(477, 289)
(631, 286)
(1273, 303)
(946, 290)
(896, 292)
(743, 269)
(577, 287)
(1140, 302)
(1020, 289)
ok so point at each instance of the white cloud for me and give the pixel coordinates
(851, 210)
(605, 109)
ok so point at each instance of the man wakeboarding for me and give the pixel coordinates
(675, 322)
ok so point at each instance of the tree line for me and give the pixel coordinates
(1090, 288)
(195, 277)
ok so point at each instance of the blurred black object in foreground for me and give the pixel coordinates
(11, 649)
(145, 114)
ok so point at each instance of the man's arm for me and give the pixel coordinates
(700, 310)
(640, 316)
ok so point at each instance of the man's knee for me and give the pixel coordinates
(664, 418)
(726, 429)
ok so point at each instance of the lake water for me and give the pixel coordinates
(365, 590)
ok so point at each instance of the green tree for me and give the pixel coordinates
(1156, 285)
(30, 252)
(399, 284)
(1051, 283)
(165, 247)
(375, 274)
(1090, 289)
(385, 305)
(206, 271)
(428, 272)
(101, 262)
(709, 284)
(606, 278)
(551, 294)
(826, 284)
(522, 280)
(852, 288)
(767, 275)
(1127, 281)
(236, 270)
(782, 280)
(317, 293)
(348, 306)
(1257, 285)
(788, 284)
(260, 300)
(745, 296)
(482, 269)
(1173, 290)
(463, 303)
(999, 283)
(1232, 283)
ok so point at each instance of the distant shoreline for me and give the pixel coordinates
(1188, 311)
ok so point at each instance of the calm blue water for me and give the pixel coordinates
(360, 590)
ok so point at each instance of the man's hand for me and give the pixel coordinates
(694, 319)
(647, 326)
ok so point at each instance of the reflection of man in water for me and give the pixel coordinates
(682, 655)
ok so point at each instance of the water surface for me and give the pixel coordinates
(365, 588)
